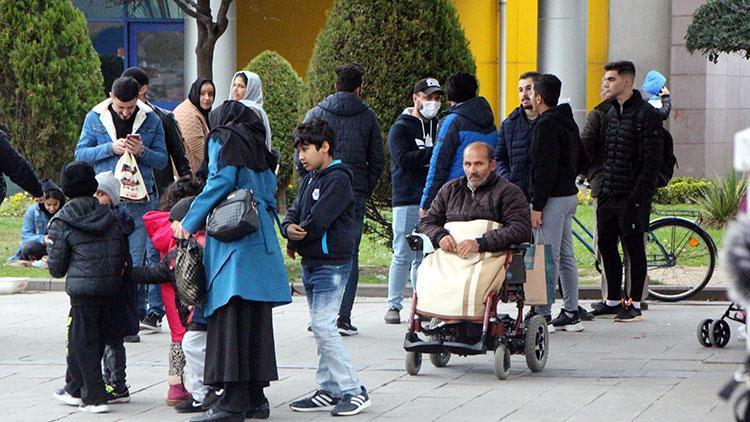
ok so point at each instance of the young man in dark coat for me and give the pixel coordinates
(410, 144)
(87, 246)
(513, 152)
(359, 145)
(15, 166)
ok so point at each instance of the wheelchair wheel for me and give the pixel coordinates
(703, 329)
(441, 359)
(413, 362)
(502, 362)
(537, 343)
(719, 333)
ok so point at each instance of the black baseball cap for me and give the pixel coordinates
(428, 86)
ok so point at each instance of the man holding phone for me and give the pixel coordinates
(124, 123)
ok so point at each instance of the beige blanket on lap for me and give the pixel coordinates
(451, 287)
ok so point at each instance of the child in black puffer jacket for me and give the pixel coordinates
(87, 244)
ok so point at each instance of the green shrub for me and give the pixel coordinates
(282, 88)
(397, 43)
(718, 204)
(681, 190)
(49, 78)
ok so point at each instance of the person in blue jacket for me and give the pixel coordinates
(469, 119)
(513, 152)
(35, 223)
(246, 277)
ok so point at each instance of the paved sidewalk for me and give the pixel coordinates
(649, 371)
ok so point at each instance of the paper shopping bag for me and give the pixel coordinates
(132, 187)
(539, 289)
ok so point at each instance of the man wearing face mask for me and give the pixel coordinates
(410, 144)
(514, 139)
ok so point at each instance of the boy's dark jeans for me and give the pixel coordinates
(88, 324)
(115, 364)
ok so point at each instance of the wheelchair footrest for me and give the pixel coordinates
(412, 343)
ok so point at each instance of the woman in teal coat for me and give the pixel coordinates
(246, 277)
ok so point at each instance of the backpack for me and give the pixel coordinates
(665, 173)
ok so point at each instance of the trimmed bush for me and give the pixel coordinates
(681, 190)
(397, 43)
(49, 78)
(282, 88)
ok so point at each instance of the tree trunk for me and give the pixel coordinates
(204, 52)
(281, 201)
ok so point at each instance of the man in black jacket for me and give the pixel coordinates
(15, 166)
(87, 244)
(555, 148)
(632, 155)
(359, 145)
(410, 144)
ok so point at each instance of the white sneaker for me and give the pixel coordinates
(66, 398)
(94, 408)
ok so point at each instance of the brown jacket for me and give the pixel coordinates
(496, 200)
(194, 130)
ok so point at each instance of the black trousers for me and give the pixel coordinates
(115, 363)
(619, 221)
(240, 397)
(88, 323)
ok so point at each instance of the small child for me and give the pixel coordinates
(654, 87)
(86, 243)
(126, 308)
(319, 228)
(35, 221)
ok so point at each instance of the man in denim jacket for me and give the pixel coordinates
(107, 133)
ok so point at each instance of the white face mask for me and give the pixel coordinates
(429, 109)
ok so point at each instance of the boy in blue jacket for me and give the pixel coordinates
(319, 228)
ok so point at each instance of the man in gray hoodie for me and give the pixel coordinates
(359, 145)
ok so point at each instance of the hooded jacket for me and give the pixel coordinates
(513, 152)
(556, 148)
(88, 245)
(36, 219)
(496, 200)
(410, 143)
(462, 124)
(358, 141)
(324, 207)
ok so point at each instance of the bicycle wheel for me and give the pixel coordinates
(680, 256)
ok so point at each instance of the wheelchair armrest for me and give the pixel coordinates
(419, 242)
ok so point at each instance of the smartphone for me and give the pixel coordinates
(134, 135)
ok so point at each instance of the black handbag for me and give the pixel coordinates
(234, 217)
(189, 273)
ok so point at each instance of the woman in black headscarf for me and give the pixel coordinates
(192, 117)
(245, 277)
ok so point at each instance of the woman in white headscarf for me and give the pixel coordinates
(247, 89)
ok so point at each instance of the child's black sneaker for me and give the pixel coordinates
(351, 405)
(317, 402)
(132, 339)
(66, 397)
(151, 324)
(602, 310)
(584, 314)
(629, 313)
(117, 393)
(345, 327)
(568, 321)
(189, 406)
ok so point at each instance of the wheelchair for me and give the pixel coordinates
(500, 334)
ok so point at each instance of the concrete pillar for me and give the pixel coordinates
(225, 53)
(562, 49)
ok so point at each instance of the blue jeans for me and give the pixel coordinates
(143, 253)
(404, 261)
(324, 286)
(360, 205)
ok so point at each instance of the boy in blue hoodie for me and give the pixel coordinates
(319, 228)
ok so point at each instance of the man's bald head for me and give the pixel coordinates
(478, 162)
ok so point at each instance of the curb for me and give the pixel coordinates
(712, 294)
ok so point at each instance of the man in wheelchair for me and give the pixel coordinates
(473, 220)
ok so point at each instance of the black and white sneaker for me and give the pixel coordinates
(584, 314)
(629, 313)
(351, 405)
(567, 321)
(345, 327)
(531, 313)
(320, 401)
(189, 406)
(66, 397)
(117, 393)
(151, 324)
(94, 408)
(602, 310)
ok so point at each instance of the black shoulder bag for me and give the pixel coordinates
(234, 218)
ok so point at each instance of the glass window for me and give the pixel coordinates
(109, 42)
(155, 9)
(160, 54)
(99, 9)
